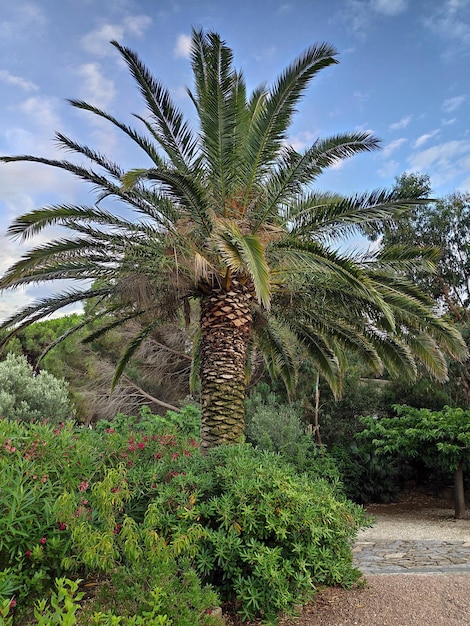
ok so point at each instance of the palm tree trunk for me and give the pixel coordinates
(226, 324)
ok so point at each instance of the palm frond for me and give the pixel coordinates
(244, 253)
(100, 159)
(278, 357)
(47, 306)
(130, 350)
(298, 256)
(220, 100)
(335, 217)
(168, 127)
(270, 131)
(293, 170)
(322, 354)
(32, 223)
(147, 146)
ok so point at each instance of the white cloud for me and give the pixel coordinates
(403, 123)
(24, 19)
(266, 53)
(24, 187)
(450, 20)
(359, 14)
(361, 97)
(451, 104)
(446, 163)
(302, 140)
(43, 111)
(425, 138)
(97, 41)
(97, 89)
(182, 47)
(389, 169)
(391, 147)
(389, 7)
(17, 81)
(137, 24)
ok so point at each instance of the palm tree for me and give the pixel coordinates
(226, 217)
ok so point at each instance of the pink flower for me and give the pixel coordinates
(42, 541)
(44, 479)
(141, 445)
(62, 525)
(28, 553)
(83, 486)
(12, 603)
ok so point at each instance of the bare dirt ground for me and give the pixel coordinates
(400, 599)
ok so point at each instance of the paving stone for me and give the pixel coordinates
(418, 556)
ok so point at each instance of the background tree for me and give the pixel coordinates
(438, 438)
(226, 227)
(445, 224)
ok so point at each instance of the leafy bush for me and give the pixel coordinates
(256, 529)
(277, 427)
(138, 502)
(29, 397)
(365, 476)
(73, 502)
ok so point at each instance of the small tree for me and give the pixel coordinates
(29, 397)
(439, 438)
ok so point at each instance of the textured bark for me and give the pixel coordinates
(226, 325)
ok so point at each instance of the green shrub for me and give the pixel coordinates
(364, 475)
(258, 531)
(29, 397)
(139, 503)
(277, 427)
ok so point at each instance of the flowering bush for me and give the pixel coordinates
(135, 500)
(73, 499)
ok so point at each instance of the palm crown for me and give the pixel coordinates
(227, 215)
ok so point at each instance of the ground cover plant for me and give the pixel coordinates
(169, 532)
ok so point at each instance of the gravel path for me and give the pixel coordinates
(405, 542)
(431, 550)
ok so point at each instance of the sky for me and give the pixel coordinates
(403, 75)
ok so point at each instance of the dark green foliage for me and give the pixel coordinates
(266, 535)
(275, 426)
(439, 439)
(365, 476)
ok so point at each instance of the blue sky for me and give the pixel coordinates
(403, 74)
